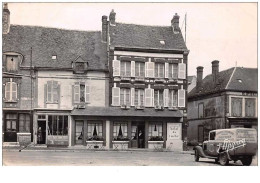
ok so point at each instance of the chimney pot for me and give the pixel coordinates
(215, 70)
(199, 76)
(112, 17)
(104, 28)
(175, 23)
(6, 19)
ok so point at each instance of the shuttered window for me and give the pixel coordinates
(149, 97)
(81, 93)
(149, 69)
(125, 68)
(158, 98)
(173, 71)
(250, 107)
(116, 68)
(53, 92)
(236, 107)
(139, 69)
(182, 71)
(115, 96)
(173, 97)
(11, 91)
(139, 97)
(159, 70)
(11, 63)
(181, 98)
(125, 96)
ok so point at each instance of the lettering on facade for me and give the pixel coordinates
(174, 131)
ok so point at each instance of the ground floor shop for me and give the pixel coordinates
(17, 126)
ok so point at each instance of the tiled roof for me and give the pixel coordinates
(143, 36)
(116, 111)
(66, 44)
(228, 80)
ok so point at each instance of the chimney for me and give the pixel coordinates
(199, 77)
(104, 28)
(112, 17)
(6, 19)
(215, 70)
(175, 23)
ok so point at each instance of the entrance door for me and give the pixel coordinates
(140, 138)
(41, 132)
(138, 135)
(10, 134)
(79, 133)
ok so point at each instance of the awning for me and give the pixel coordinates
(116, 111)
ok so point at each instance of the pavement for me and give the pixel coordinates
(83, 157)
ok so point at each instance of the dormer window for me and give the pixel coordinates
(12, 62)
(79, 66)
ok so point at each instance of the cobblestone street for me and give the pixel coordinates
(105, 158)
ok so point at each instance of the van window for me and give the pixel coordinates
(212, 136)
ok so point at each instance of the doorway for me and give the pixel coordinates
(41, 132)
(79, 133)
(138, 135)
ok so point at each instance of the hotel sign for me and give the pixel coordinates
(173, 131)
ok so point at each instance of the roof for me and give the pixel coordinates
(144, 36)
(228, 80)
(115, 111)
(190, 78)
(68, 45)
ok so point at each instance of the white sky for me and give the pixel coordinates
(215, 31)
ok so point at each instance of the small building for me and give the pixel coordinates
(226, 99)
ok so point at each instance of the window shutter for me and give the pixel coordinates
(150, 69)
(87, 92)
(49, 91)
(116, 68)
(148, 95)
(45, 95)
(152, 97)
(165, 96)
(72, 91)
(132, 96)
(115, 96)
(182, 71)
(181, 98)
(132, 68)
(166, 70)
(14, 91)
(55, 92)
(7, 91)
(76, 93)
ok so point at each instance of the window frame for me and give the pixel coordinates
(171, 98)
(158, 97)
(51, 130)
(173, 72)
(203, 113)
(86, 94)
(24, 121)
(157, 68)
(52, 93)
(138, 98)
(93, 123)
(151, 126)
(138, 66)
(124, 69)
(11, 83)
(115, 133)
(123, 92)
(11, 122)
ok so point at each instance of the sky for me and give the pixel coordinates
(215, 31)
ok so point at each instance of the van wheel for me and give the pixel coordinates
(246, 161)
(223, 159)
(196, 156)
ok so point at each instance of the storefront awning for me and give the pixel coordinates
(115, 111)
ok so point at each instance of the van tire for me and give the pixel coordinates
(223, 159)
(196, 156)
(246, 161)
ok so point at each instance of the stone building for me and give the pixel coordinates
(225, 99)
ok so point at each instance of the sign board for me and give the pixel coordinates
(173, 131)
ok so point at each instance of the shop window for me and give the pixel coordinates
(12, 62)
(236, 107)
(95, 130)
(250, 107)
(155, 131)
(125, 96)
(11, 120)
(173, 98)
(24, 123)
(81, 93)
(120, 130)
(159, 70)
(57, 125)
(139, 97)
(52, 92)
(11, 91)
(158, 97)
(173, 71)
(139, 69)
(201, 110)
(125, 69)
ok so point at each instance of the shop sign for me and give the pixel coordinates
(173, 131)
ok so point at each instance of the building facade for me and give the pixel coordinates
(226, 99)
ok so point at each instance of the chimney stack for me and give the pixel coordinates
(6, 19)
(104, 28)
(215, 70)
(112, 17)
(175, 23)
(199, 76)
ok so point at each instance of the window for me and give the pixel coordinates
(155, 130)
(52, 92)
(173, 98)
(11, 91)
(80, 67)
(24, 123)
(201, 110)
(11, 122)
(81, 93)
(158, 97)
(212, 135)
(125, 96)
(173, 71)
(95, 129)
(57, 125)
(159, 70)
(250, 107)
(236, 107)
(139, 69)
(125, 68)
(134, 132)
(139, 97)
(12, 62)
(120, 129)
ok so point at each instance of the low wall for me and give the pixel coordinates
(24, 138)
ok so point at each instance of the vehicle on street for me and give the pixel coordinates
(226, 145)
